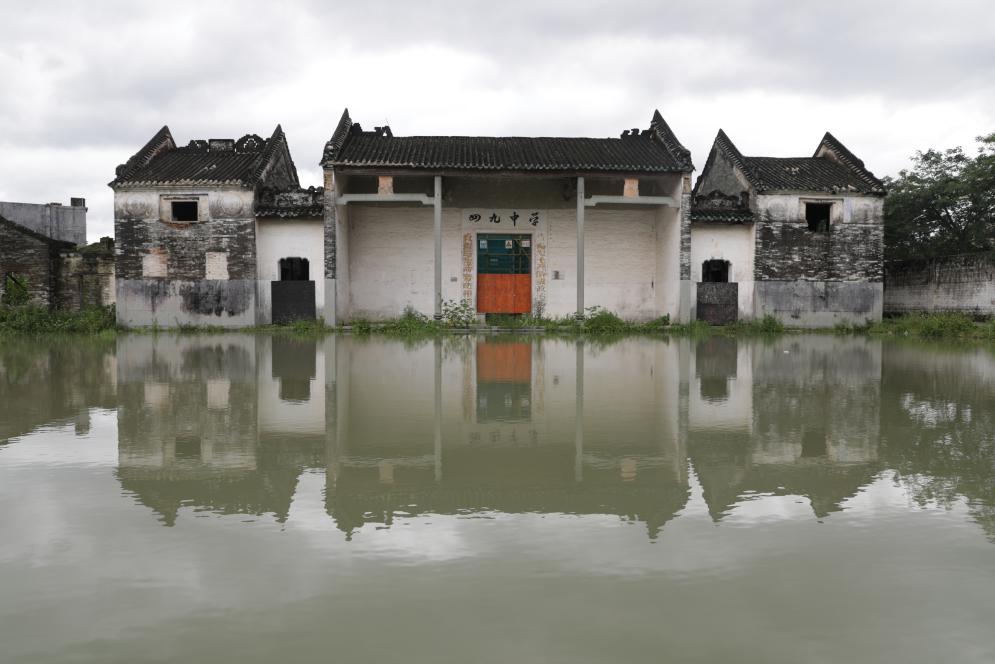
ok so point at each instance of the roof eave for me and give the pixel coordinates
(551, 172)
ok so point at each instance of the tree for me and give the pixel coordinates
(945, 204)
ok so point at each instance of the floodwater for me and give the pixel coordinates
(254, 498)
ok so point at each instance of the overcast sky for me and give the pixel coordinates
(85, 84)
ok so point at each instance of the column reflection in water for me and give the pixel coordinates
(469, 424)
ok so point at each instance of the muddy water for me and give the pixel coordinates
(257, 499)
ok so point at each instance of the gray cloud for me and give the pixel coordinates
(86, 84)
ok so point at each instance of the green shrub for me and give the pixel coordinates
(410, 323)
(657, 324)
(601, 321)
(458, 314)
(361, 326)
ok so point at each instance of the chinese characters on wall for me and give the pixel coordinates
(521, 218)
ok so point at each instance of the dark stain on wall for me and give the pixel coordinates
(215, 298)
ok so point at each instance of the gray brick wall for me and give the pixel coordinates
(789, 251)
(330, 225)
(186, 246)
(31, 258)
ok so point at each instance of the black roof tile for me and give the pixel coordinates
(705, 215)
(655, 150)
(805, 174)
(833, 168)
(214, 161)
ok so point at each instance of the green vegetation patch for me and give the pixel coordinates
(32, 319)
(934, 326)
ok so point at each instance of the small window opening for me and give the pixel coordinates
(817, 216)
(715, 270)
(184, 210)
(294, 269)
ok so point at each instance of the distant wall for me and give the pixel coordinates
(962, 283)
(59, 222)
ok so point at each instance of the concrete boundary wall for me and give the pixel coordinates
(66, 223)
(961, 283)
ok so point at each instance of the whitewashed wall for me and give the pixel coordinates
(735, 244)
(288, 238)
(846, 208)
(389, 253)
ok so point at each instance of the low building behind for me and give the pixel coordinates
(44, 260)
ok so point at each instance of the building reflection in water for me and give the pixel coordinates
(479, 425)
(465, 424)
(799, 417)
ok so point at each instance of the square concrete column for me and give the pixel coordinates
(580, 248)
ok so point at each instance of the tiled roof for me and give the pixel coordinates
(832, 145)
(805, 174)
(705, 215)
(215, 161)
(833, 168)
(654, 150)
(290, 203)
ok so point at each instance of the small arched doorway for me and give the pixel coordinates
(718, 297)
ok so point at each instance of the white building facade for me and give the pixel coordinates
(542, 226)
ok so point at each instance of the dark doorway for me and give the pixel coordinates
(294, 269)
(293, 294)
(715, 271)
(294, 365)
(715, 360)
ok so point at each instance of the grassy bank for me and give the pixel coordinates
(931, 326)
(34, 320)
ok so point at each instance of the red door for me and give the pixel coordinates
(504, 274)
